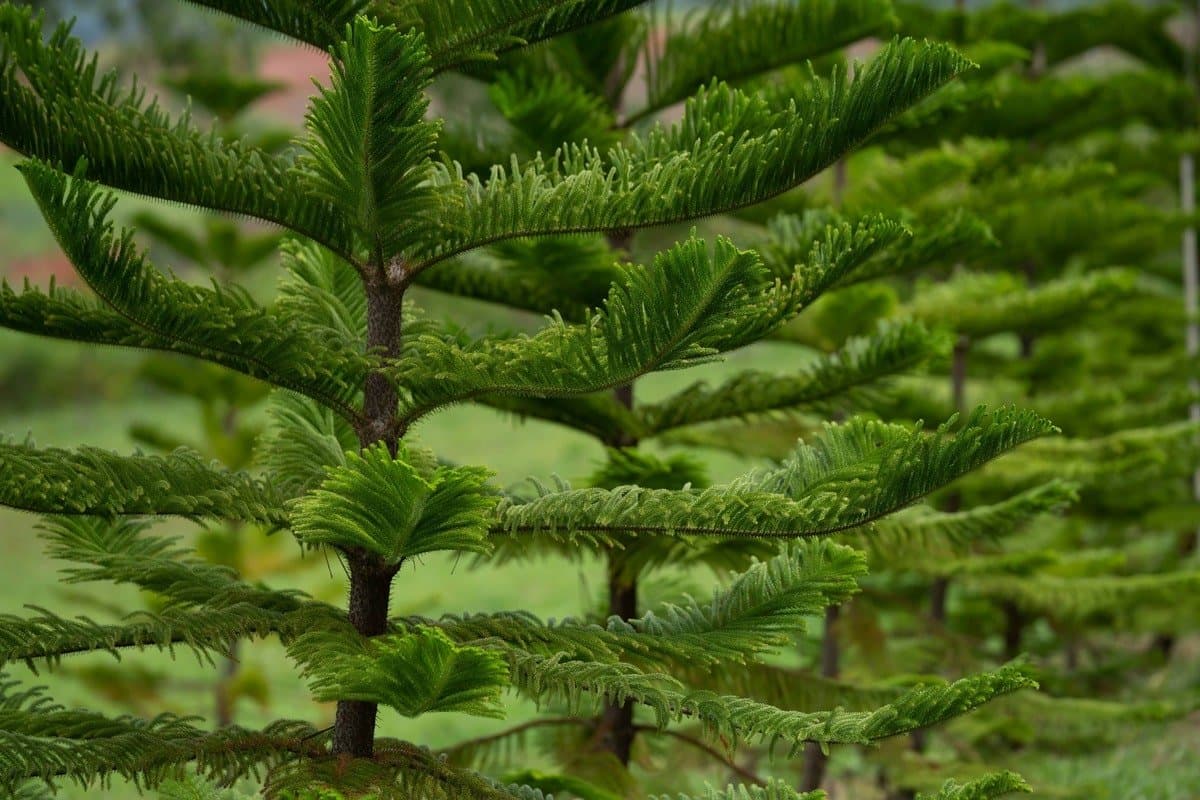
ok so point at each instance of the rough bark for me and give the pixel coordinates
(370, 577)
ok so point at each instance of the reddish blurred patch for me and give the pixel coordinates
(295, 67)
(40, 269)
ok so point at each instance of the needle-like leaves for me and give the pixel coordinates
(144, 308)
(708, 163)
(853, 475)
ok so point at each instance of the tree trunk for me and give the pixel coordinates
(370, 588)
(1014, 628)
(224, 689)
(616, 722)
(370, 576)
(617, 719)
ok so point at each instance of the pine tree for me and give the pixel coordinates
(1071, 188)
(373, 207)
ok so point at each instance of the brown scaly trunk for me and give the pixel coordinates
(224, 689)
(370, 576)
(815, 760)
(617, 720)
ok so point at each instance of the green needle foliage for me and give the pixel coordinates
(373, 201)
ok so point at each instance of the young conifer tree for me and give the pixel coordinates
(584, 86)
(1095, 346)
(372, 207)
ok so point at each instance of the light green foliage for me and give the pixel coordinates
(773, 790)
(384, 505)
(204, 608)
(1000, 784)
(414, 673)
(97, 482)
(707, 301)
(368, 148)
(1138, 30)
(57, 107)
(853, 475)
(1076, 598)
(41, 739)
(751, 617)
(938, 242)
(980, 305)
(737, 719)
(919, 538)
(646, 182)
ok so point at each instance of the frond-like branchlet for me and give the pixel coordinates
(694, 303)
(369, 147)
(417, 672)
(142, 307)
(459, 32)
(950, 238)
(988, 787)
(56, 106)
(207, 632)
(206, 608)
(320, 23)
(303, 441)
(385, 506)
(762, 608)
(97, 482)
(712, 161)
(734, 719)
(745, 40)
(1076, 598)
(759, 611)
(859, 365)
(42, 740)
(773, 790)
(121, 551)
(853, 475)
(920, 538)
(979, 305)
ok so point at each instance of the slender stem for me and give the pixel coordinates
(733, 766)
(616, 722)
(224, 689)
(516, 730)
(385, 306)
(370, 577)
